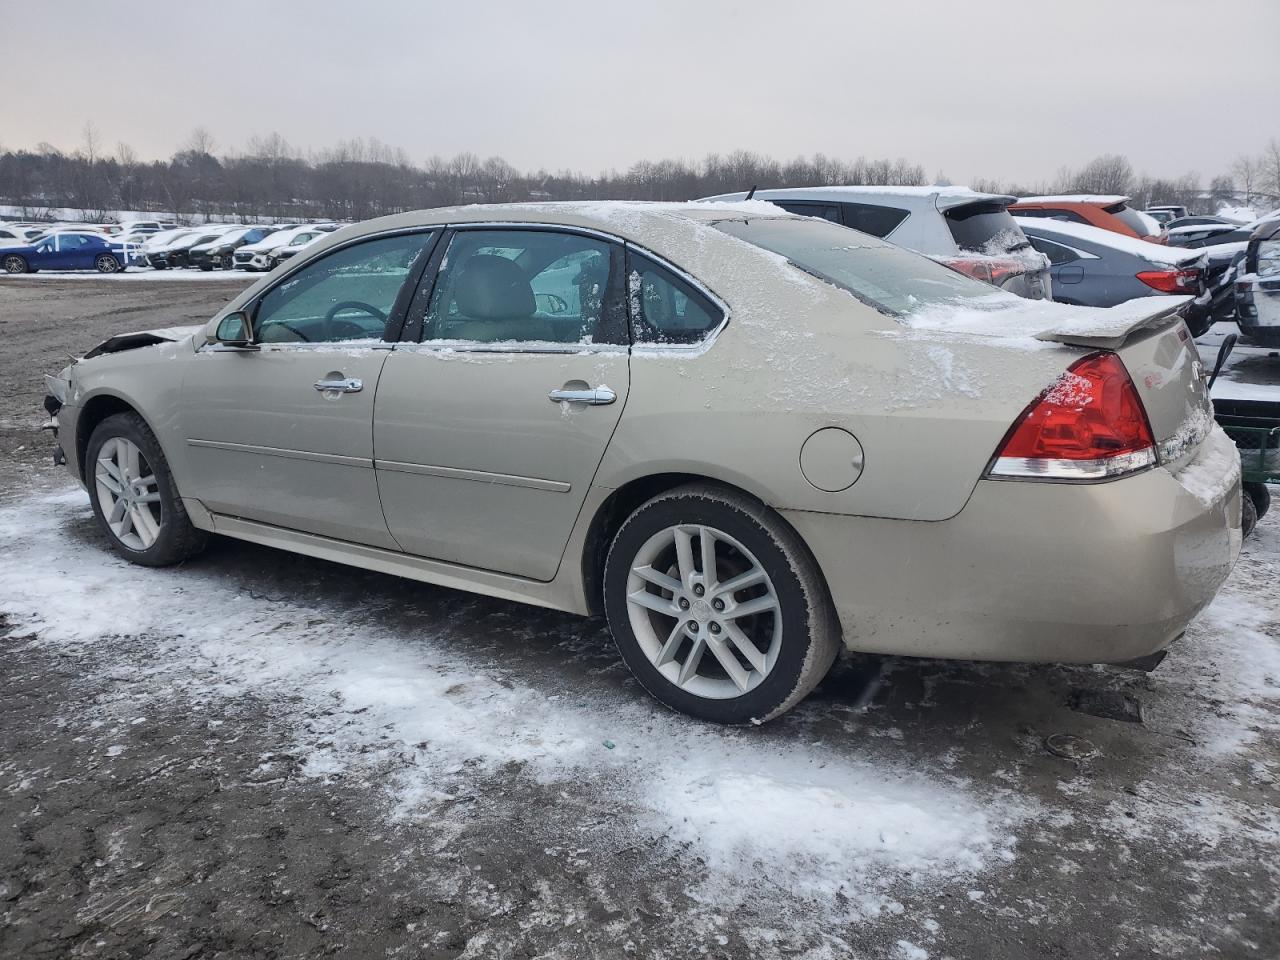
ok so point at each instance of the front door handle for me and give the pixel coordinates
(596, 397)
(344, 385)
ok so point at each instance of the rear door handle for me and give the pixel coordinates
(596, 397)
(346, 385)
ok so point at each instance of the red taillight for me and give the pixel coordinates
(1172, 281)
(987, 269)
(1090, 425)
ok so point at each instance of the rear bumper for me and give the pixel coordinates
(1028, 571)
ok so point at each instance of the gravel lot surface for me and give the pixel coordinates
(260, 755)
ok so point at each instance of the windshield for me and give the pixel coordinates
(985, 228)
(1131, 218)
(893, 280)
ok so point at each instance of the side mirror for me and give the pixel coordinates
(234, 330)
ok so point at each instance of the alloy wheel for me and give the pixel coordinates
(128, 493)
(107, 264)
(15, 264)
(704, 611)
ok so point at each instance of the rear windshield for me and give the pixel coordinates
(893, 280)
(1130, 218)
(985, 228)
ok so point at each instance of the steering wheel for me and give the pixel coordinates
(555, 304)
(330, 324)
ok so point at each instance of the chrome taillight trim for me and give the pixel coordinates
(1072, 471)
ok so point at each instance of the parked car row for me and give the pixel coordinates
(231, 246)
(31, 247)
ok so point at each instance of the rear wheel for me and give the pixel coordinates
(1248, 515)
(717, 606)
(15, 264)
(1260, 495)
(106, 263)
(134, 497)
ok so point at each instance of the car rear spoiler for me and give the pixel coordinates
(1107, 329)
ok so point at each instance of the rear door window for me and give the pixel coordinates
(870, 218)
(526, 286)
(984, 228)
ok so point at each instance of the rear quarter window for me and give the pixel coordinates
(1129, 217)
(873, 219)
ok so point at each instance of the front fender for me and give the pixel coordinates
(147, 380)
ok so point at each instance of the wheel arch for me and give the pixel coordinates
(96, 409)
(620, 504)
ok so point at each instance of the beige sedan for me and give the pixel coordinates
(747, 438)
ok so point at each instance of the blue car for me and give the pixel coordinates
(1092, 267)
(69, 251)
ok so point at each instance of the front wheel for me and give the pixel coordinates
(15, 264)
(106, 263)
(717, 606)
(134, 497)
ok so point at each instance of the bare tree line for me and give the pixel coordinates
(357, 179)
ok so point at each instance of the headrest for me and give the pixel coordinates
(493, 288)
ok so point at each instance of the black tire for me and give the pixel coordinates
(206, 267)
(1260, 495)
(810, 637)
(178, 538)
(160, 265)
(13, 263)
(1248, 515)
(107, 263)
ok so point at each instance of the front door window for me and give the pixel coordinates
(349, 294)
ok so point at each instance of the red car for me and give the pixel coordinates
(1109, 213)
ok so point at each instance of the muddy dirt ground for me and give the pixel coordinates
(260, 755)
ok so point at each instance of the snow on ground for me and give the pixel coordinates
(846, 831)
(812, 823)
(134, 274)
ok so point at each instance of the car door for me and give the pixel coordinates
(282, 432)
(491, 421)
(67, 253)
(81, 251)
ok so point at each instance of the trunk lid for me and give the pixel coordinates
(1147, 334)
(1156, 348)
(1170, 378)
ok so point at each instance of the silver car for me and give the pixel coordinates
(745, 437)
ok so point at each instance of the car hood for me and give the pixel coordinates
(142, 338)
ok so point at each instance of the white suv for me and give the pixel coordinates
(968, 231)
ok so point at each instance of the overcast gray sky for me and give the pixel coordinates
(979, 88)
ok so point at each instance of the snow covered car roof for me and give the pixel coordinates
(277, 239)
(1067, 231)
(944, 197)
(1101, 199)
